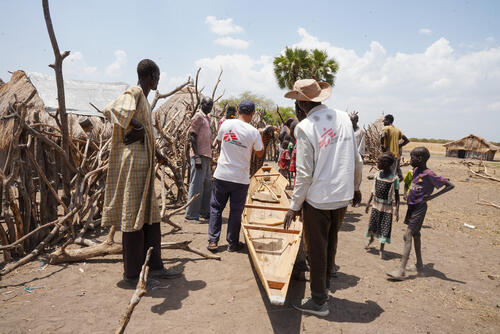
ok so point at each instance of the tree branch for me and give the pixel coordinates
(163, 96)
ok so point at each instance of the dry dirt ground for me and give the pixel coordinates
(460, 292)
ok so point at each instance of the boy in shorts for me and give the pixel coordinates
(423, 183)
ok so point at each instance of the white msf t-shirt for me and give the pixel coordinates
(237, 141)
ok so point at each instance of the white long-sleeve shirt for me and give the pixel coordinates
(329, 167)
(360, 134)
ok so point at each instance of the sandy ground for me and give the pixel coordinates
(435, 148)
(460, 291)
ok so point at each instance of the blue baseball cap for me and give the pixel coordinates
(247, 106)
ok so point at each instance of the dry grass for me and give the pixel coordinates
(434, 148)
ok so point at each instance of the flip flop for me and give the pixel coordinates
(212, 246)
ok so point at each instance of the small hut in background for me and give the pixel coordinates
(472, 147)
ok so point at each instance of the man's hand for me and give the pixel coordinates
(357, 198)
(289, 217)
(197, 162)
(134, 135)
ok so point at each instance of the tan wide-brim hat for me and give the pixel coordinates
(310, 90)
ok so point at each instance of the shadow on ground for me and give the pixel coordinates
(429, 271)
(343, 281)
(343, 310)
(350, 217)
(388, 254)
(34, 279)
(173, 291)
(284, 319)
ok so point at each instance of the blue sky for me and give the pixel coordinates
(435, 65)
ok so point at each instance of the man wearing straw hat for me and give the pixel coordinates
(328, 174)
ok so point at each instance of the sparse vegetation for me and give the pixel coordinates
(430, 140)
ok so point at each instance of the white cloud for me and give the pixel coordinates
(168, 83)
(495, 106)
(222, 26)
(241, 73)
(116, 67)
(490, 39)
(436, 84)
(425, 31)
(436, 92)
(232, 42)
(76, 66)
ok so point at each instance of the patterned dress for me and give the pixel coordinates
(381, 216)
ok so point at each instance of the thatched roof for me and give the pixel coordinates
(376, 127)
(178, 106)
(471, 143)
(21, 86)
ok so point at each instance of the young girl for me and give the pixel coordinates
(385, 190)
(284, 161)
(292, 149)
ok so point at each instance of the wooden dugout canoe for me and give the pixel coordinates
(272, 248)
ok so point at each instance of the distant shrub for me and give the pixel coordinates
(430, 140)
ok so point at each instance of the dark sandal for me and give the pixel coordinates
(212, 246)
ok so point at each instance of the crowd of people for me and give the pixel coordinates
(321, 153)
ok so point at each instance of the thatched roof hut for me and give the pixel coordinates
(177, 108)
(471, 147)
(78, 95)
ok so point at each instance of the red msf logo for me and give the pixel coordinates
(326, 137)
(230, 135)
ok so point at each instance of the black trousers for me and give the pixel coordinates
(321, 232)
(135, 247)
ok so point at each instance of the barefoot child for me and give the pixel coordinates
(423, 183)
(385, 190)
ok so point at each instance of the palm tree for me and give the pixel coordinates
(322, 67)
(292, 65)
(298, 63)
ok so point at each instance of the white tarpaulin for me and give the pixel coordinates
(78, 93)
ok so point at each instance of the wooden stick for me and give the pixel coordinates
(270, 190)
(184, 245)
(61, 99)
(31, 255)
(269, 229)
(49, 142)
(263, 175)
(163, 96)
(216, 85)
(58, 221)
(140, 291)
(263, 207)
(483, 176)
(44, 178)
(488, 203)
(108, 247)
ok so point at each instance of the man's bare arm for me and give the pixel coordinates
(405, 141)
(194, 146)
(382, 141)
